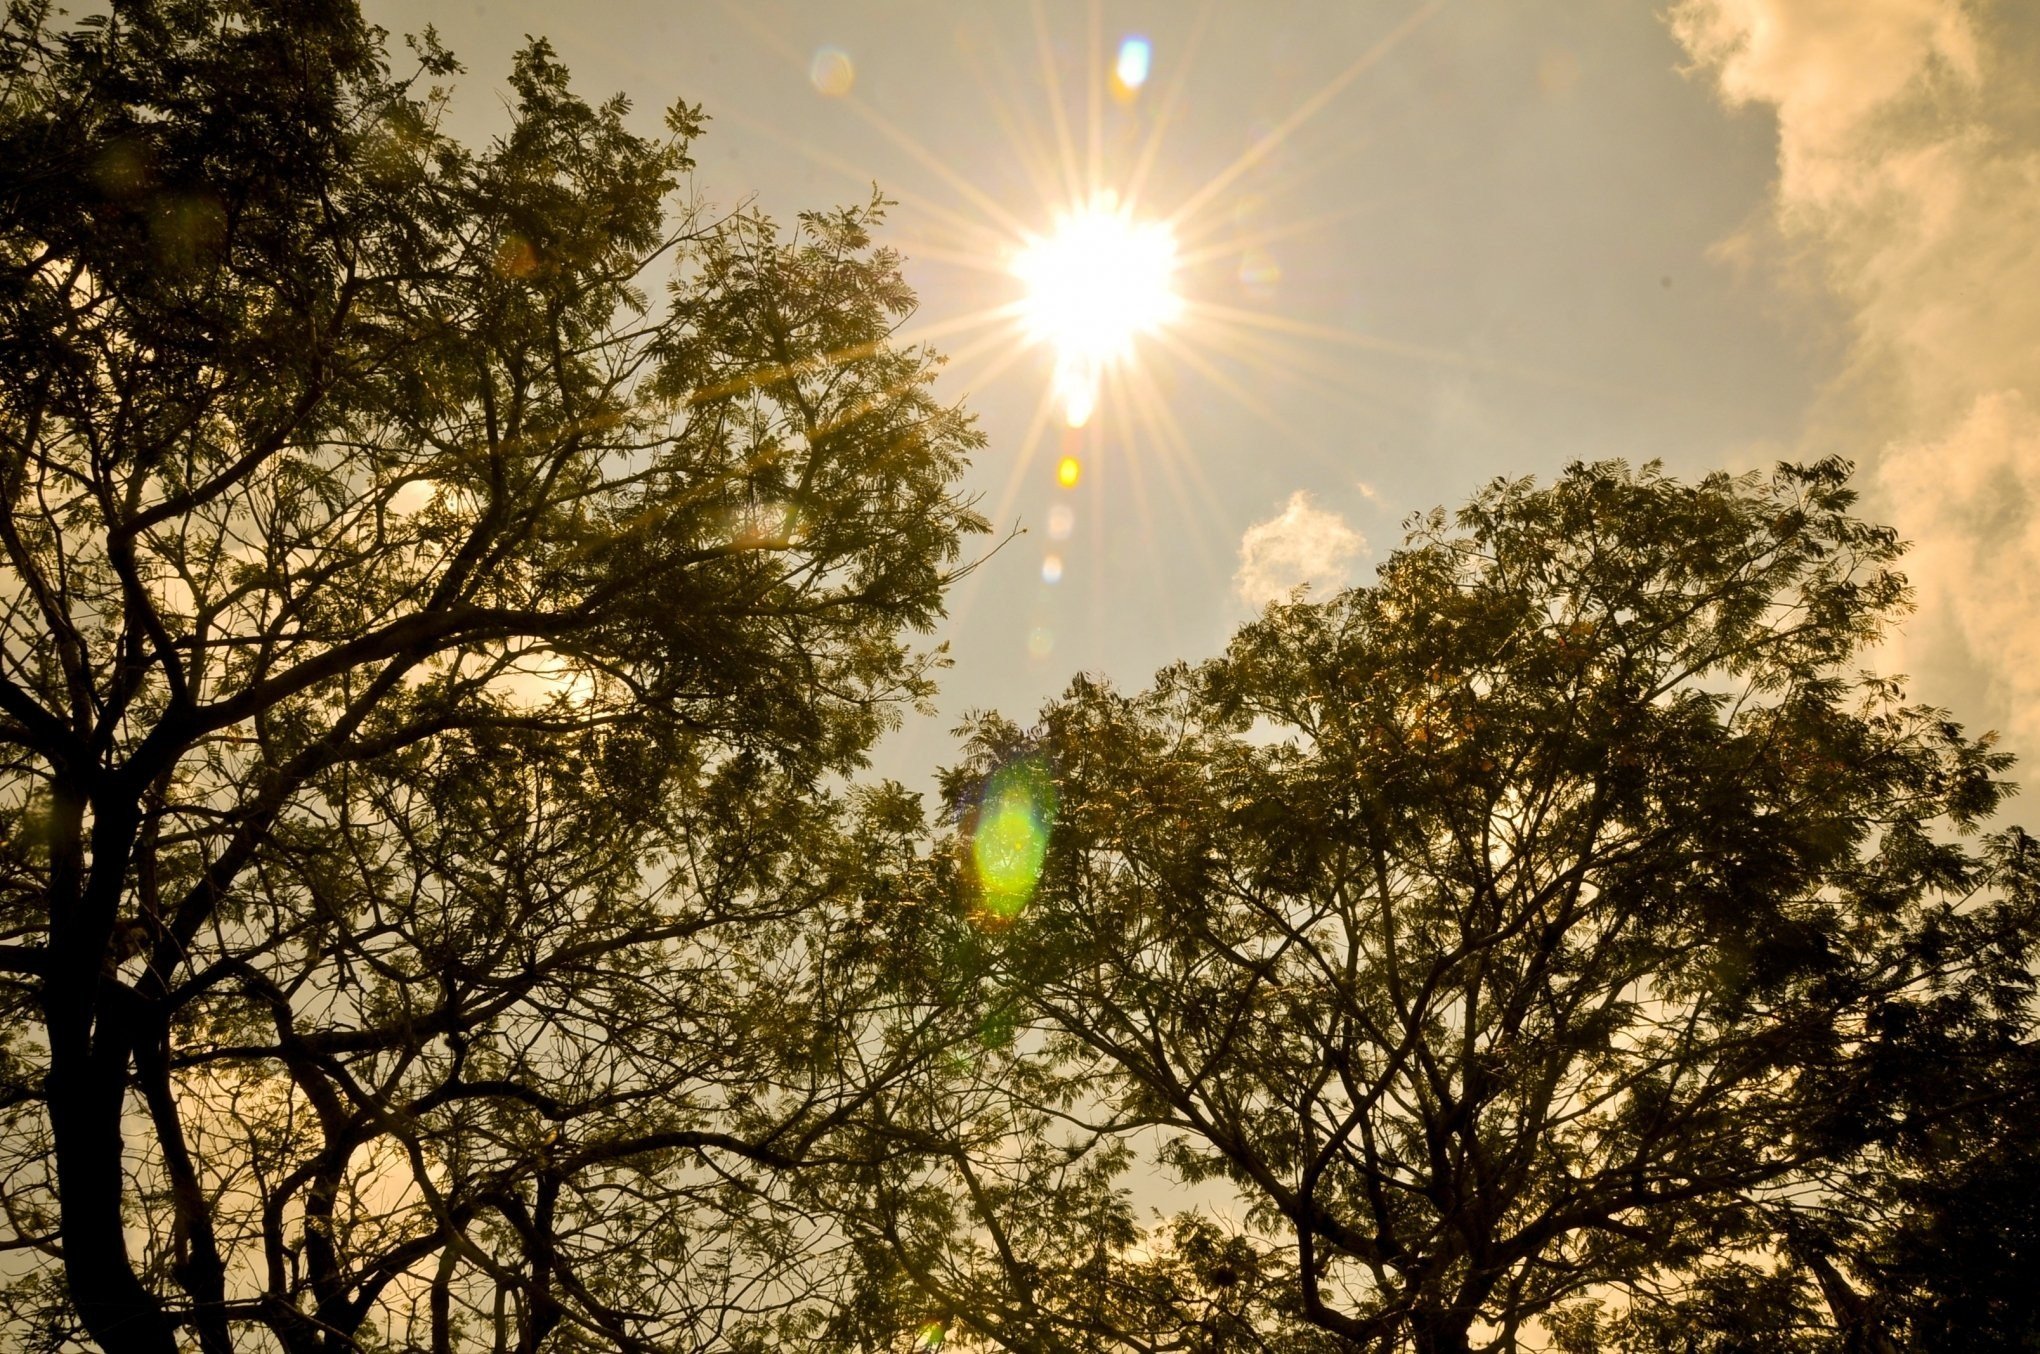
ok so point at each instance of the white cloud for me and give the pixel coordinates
(1302, 544)
(1909, 176)
(1972, 499)
(1832, 68)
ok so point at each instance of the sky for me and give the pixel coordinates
(1419, 245)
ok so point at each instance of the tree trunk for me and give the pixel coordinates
(1439, 1333)
(1854, 1315)
(85, 1010)
(117, 1310)
(198, 1267)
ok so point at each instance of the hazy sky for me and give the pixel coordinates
(1425, 246)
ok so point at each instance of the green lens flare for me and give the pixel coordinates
(1011, 837)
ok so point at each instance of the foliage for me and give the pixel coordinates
(440, 587)
(445, 597)
(1558, 919)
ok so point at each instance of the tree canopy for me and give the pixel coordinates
(441, 587)
(1559, 929)
(447, 596)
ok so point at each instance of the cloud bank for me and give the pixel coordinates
(1909, 182)
(1302, 544)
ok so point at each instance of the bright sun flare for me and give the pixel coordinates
(1100, 280)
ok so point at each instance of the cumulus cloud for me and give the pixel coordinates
(1301, 544)
(1977, 490)
(1909, 176)
(1832, 69)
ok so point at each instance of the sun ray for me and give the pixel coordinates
(1136, 478)
(964, 223)
(1276, 187)
(907, 333)
(1301, 174)
(1036, 158)
(730, 112)
(1274, 234)
(1058, 115)
(1151, 148)
(1271, 356)
(1288, 369)
(1226, 337)
(1012, 339)
(1557, 380)
(912, 332)
(1308, 369)
(1149, 536)
(1246, 399)
(1294, 367)
(1094, 88)
(1175, 453)
(1145, 515)
(1016, 349)
(996, 241)
(1305, 111)
(967, 592)
(883, 125)
(1180, 468)
(1296, 438)
(1213, 310)
(1037, 426)
(920, 251)
(929, 160)
(1193, 233)
(1244, 354)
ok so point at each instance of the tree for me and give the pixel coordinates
(1558, 920)
(425, 656)
(1945, 1219)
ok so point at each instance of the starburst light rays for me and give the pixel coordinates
(1084, 246)
(1094, 285)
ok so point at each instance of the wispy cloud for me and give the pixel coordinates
(1302, 544)
(1909, 175)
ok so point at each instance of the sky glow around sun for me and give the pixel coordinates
(1416, 245)
(1100, 280)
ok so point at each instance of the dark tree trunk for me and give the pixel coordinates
(1854, 1315)
(91, 1032)
(198, 1267)
(85, 1104)
(1439, 1333)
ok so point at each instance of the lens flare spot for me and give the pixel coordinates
(1076, 389)
(1009, 840)
(1061, 522)
(1068, 471)
(832, 72)
(1131, 69)
(1094, 285)
(1040, 641)
(931, 1336)
(515, 257)
(1259, 274)
(1052, 569)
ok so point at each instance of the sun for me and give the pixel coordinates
(1116, 264)
(1094, 285)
